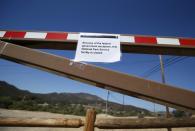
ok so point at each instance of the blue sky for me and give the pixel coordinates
(151, 17)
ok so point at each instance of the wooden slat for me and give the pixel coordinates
(123, 83)
(102, 123)
(129, 123)
(129, 43)
(41, 122)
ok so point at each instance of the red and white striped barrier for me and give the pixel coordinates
(61, 36)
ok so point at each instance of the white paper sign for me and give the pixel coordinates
(95, 47)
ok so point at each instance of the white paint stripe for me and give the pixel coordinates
(73, 36)
(35, 35)
(127, 39)
(170, 41)
(2, 33)
(3, 48)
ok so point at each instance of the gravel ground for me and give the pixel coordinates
(30, 114)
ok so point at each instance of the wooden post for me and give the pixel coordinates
(90, 120)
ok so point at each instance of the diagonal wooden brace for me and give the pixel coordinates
(103, 78)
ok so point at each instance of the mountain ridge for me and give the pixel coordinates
(54, 98)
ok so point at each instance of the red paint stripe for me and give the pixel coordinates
(59, 36)
(184, 41)
(12, 34)
(146, 40)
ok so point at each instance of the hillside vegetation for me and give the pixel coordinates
(65, 103)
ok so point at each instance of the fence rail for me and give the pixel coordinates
(103, 123)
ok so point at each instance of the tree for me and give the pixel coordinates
(179, 113)
(5, 101)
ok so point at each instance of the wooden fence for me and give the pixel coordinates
(91, 122)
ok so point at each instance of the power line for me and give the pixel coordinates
(167, 62)
(115, 98)
(156, 68)
(176, 61)
(119, 101)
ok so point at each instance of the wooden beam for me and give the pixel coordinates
(129, 43)
(102, 123)
(125, 47)
(41, 122)
(123, 83)
(130, 123)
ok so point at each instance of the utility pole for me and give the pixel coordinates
(163, 81)
(108, 93)
(154, 110)
(123, 103)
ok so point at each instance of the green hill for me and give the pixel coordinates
(66, 103)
